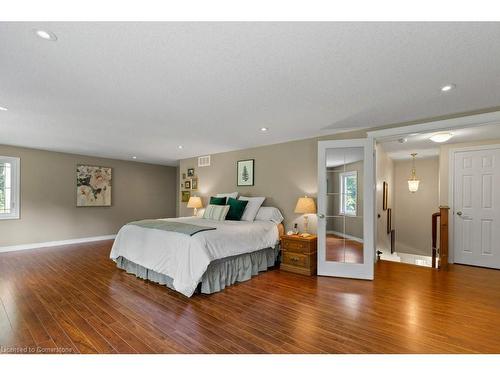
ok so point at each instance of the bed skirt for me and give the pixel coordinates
(219, 274)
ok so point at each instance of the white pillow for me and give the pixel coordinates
(269, 214)
(215, 212)
(227, 195)
(252, 207)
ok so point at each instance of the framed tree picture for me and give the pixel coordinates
(245, 172)
(185, 196)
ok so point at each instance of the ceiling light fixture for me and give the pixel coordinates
(448, 87)
(413, 181)
(46, 35)
(441, 137)
(3, 108)
(263, 130)
(180, 147)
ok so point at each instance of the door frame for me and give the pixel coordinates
(489, 118)
(451, 189)
(363, 270)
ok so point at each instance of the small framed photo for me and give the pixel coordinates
(187, 184)
(385, 193)
(185, 196)
(183, 176)
(245, 172)
(190, 172)
(194, 184)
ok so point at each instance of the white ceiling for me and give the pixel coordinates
(424, 147)
(123, 89)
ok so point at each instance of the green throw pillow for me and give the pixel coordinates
(218, 201)
(236, 208)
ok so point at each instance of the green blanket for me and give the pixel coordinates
(171, 226)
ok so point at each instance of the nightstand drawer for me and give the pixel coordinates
(295, 245)
(298, 260)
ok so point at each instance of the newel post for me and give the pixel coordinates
(443, 237)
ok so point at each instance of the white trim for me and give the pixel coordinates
(454, 123)
(451, 190)
(363, 270)
(348, 236)
(38, 245)
(15, 187)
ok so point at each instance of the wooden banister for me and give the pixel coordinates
(443, 238)
(434, 237)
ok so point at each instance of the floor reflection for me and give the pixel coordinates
(339, 249)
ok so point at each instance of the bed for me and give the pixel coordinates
(226, 253)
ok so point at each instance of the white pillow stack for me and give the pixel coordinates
(252, 207)
(269, 214)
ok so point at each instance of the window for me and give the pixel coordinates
(9, 188)
(348, 193)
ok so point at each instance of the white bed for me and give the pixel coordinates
(185, 258)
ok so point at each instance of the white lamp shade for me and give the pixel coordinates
(413, 185)
(305, 205)
(194, 202)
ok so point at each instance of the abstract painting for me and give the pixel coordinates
(93, 186)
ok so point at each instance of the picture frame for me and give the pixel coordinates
(194, 184)
(190, 172)
(185, 196)
(385, 195)
(183, 176)
(389, 220)
(93, 186)
(245, 170)
(187, 184)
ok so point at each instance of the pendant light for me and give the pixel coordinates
(413, 181)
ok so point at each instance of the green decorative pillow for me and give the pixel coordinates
(218, 201)
(236, 209)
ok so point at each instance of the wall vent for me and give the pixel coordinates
(204, 161)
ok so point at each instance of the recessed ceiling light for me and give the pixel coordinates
(46, 35)
(441, 137)
(263, 130)
(134, 157)
(448, 87)
(3, 108)
(180, 147)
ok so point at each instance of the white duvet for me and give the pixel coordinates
(186, 258)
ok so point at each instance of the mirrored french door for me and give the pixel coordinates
(346, 197)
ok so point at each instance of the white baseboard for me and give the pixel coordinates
(344, 235)
(4, 249)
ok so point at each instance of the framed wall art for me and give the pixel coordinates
(245, 172)
(93, 186)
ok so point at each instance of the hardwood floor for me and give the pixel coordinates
(74, 299)
(339, 249)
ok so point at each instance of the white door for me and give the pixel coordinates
(477, 207)
(346, 224)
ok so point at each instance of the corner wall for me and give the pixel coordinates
(48, 197)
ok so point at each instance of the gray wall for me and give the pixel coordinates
(48, 191)
(283, 173)
(413, 211)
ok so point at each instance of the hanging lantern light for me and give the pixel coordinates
(413, 181)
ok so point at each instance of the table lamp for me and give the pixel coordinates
(195, 202)
(305, 205)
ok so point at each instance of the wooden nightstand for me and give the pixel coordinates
(299, 254)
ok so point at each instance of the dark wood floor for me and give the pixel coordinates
(339, 249)
(73, 298)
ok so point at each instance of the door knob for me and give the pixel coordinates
(321, 216)
(459, 213)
